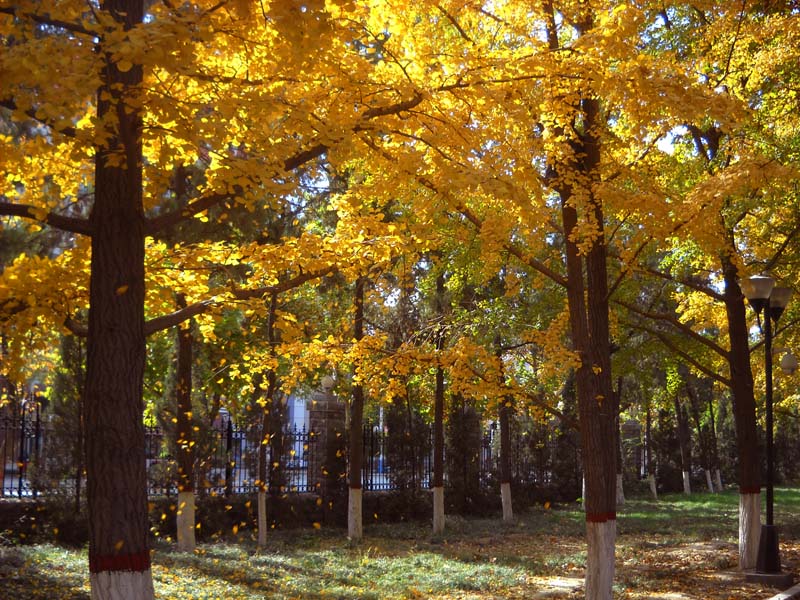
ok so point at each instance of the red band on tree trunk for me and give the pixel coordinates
(600, 517)
(120, 562)
(752, 489)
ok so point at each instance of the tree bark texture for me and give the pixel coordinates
(115, 449)
(587, 295)
(684, 442)
(185, 445)
(744, 412)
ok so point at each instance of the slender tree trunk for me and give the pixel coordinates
(505, 459)
(702, 438)
(119, 553)
(185, 444)
(744, 410)
(80, 447)
(713, 442)
(354, 511)
(264, 464)
(648, 451)
(438, 421)
(684, 442)
(505, 411)
(618, 443)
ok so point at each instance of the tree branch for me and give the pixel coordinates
(11, 105)
(177, 317)
(678, 325)
(63, 222)
(46, 19)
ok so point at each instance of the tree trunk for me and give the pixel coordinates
(505, 460)
(119, 554)
(589, 327)
(702, 437)
(714, 447)
(354, 513)
(618, 443)
(744, 410)
(685, 444)
(506, 408)
(648, 451)
(264, 464)
(185, 445)
(438, 421)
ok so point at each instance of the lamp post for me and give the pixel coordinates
(764, 296)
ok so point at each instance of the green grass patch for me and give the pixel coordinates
(476, 557)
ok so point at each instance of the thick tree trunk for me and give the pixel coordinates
(589, 326)
(184, 442)
(354, 513)
(119, 555)
(744, 410)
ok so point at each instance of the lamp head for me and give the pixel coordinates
(789, 363)
(757, 289)
(778, 300)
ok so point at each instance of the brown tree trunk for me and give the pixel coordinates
(185, 444)
(618, 442)
(684, 443)
(744, 410)
(702, 435)
(354, 513)
(119, 554)
(587, 296)
(266, 469)
(438, 419)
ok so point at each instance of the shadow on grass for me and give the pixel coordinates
(25, 579)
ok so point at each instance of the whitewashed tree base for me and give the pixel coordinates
(749, 529)
(122, 585)
(505, 497)
(718, 480)
(709, 482)
(687, 484)
(186, 522)
(620, 490)
(600, 538)
(262, 518)
(438, 510)
(651, 479)
(355, 530)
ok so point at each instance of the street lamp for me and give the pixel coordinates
(789, 363)
(763, 295)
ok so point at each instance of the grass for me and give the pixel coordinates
(678, 547)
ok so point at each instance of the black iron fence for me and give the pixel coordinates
(227, 459)
(21, 436)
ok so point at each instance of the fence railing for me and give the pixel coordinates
(226, 459)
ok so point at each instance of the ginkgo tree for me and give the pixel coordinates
(139, 95)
